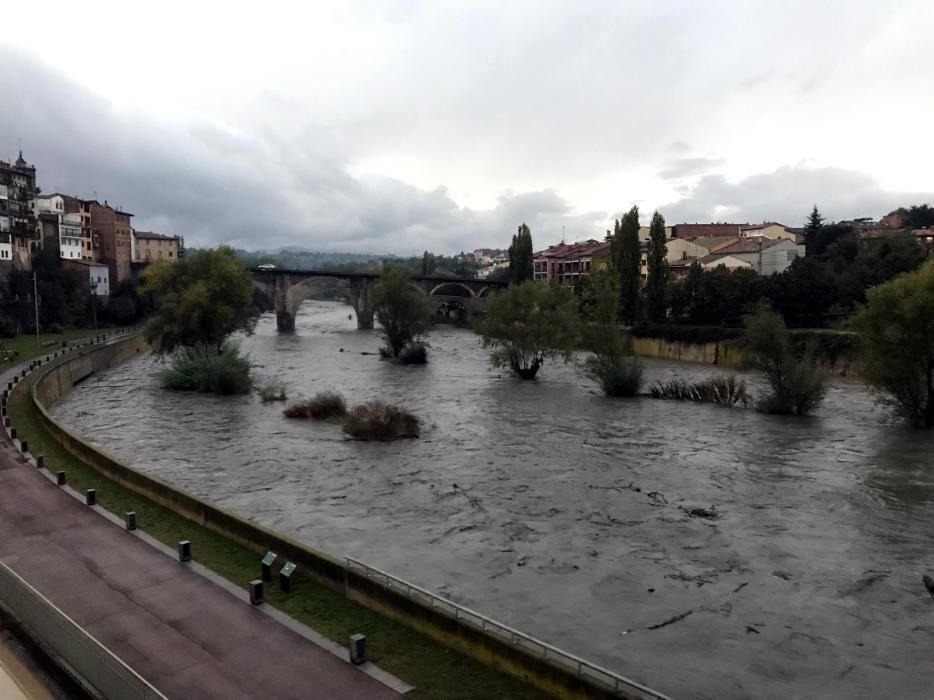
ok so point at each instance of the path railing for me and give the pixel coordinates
(583, 668)
(89, 658)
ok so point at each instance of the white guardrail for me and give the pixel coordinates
(580, 667)
(89, 658)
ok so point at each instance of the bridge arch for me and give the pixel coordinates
(456, 289)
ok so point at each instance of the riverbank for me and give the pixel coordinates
(435, 671)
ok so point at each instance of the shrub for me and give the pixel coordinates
(55, 328)
(377, 420)
(826, 346)
(723, 391)
(414, 354)
(796, 383)
(209, 369)
(618, 375)
(897, 331)
(325, 405)
(272, 391)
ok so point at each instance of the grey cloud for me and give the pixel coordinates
(787, 195)
(679, 147)
(212, 185)
(686, 167)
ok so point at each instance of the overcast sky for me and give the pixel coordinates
(393, 126)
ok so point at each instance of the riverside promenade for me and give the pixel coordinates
(186, 635)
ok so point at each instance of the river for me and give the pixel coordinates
(565, 514)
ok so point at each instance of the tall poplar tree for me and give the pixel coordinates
(657, 282)
(520, 256)
(626, 256)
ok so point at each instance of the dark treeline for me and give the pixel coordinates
(65, 300)
(814, 291)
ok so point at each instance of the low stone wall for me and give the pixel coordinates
(726, 353)
(55, 380)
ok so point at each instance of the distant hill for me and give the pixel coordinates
(302, 259)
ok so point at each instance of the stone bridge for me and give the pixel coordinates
(289, 288)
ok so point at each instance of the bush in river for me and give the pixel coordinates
(209, 369)
(272, 391)
(324, 405)
(796, 383)
(378, 420)
(723, 391)
(414, 354)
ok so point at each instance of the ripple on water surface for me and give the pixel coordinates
(568, 515)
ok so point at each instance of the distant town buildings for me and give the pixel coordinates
(764, 248)
(88, 236)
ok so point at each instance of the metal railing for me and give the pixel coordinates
(89, 658)
(535, 647)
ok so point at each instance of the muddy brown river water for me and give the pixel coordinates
(566, 514)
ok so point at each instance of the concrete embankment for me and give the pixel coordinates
(496, 645)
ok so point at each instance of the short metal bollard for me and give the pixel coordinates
(90, 497)
(256, 592)
(266, 565)
(184, 550)
(60, 478)
(285, 577)
(130, 519)
(23, 446)
(357, 649)
(12, 433)
(40, 461)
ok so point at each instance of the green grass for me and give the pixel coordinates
(435, 671)
(25, 345)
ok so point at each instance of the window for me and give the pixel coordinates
(791, 255)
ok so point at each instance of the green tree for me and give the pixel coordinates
(520, 256)
(626, 257)
(612, 365)
(400, 308)
(812, 230)
(201, 299)
(429, 264)
(896, 329)
(529, 323)
(657, 282)
(796, 384)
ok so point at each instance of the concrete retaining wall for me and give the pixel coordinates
(718, 353)
(55, 380)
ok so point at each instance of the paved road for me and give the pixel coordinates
(185, 635)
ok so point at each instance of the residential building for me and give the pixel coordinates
(58, 227)
(925, 236)
(566, 263)
(112, 237)
(81, 209)
(707, 230)
(18, 231)
(98, 275)
(149, 246)
(768, 229)
(766, 256)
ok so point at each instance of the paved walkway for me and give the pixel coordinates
(182, 633)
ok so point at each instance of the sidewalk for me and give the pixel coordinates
(182, 633)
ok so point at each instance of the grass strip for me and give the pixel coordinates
(435, 671)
